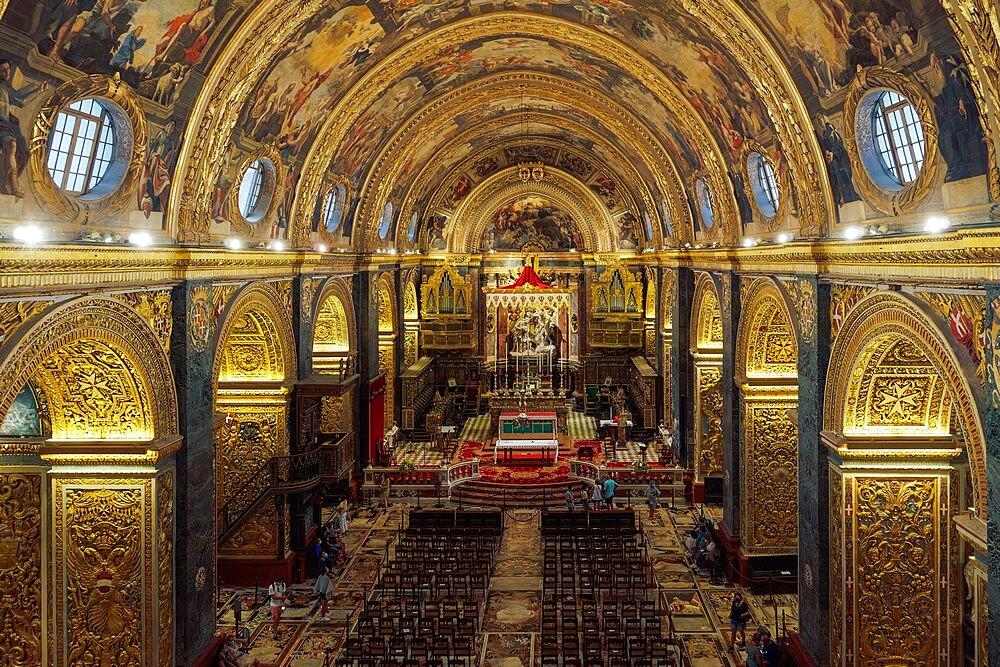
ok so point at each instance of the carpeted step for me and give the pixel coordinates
(488, 494)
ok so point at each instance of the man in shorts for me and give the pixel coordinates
(278, 596)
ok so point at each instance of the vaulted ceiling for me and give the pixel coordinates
(414, 104)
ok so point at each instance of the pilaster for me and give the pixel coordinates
(991, 426)
(729, 303)
(365, 296)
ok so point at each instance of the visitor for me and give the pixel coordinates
(570, 499)
(753, 651)
(652, 498)
(585, 498)
(340, 518)
(768, 650)
(597, 494)
(324, 588)
(739, 614)
(384, 490)
(609, 492)
(277, 594)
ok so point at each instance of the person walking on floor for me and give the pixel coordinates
(609, 492)
(277, 594)
(739, 614)
(768, 650)
(652, 498)
(324, 588)
(753, 651)
(570, 499)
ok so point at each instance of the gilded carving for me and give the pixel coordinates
(616, 293)
(765, 341)
(252, 435)
(331, 332)
(21, 569)
(709, 429)
(805, 303)
(387, 365)
(668, 288)
(837, 568)
(410, 299)
(284, 289)
(708, 317)
(409, 348)
(104, 571)
(843, 298)
(156, 309)
(96, 393)
(993, 354)
(965, 315)
(201, 318)
(15, 313)
(258, 536)
(769, 476)
(306, 294)
(165, 565)
(220, 297)
(445, 294)
(256, 340)
(334, 414)
(896, 571)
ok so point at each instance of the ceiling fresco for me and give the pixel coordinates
(699, 95)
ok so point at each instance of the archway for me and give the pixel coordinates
(387, 309)
(767, 375)
(254, 360)
(100, 490)
(706, 350)
(334, 352)
(900, 417)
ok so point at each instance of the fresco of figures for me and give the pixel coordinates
(535, 221)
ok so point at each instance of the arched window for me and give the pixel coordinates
(251, 188)
(383, 229)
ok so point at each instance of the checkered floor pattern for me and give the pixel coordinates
(420, 454)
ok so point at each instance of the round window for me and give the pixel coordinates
(649, 225)
(383, 228)
(764, 184)
(668, 225)
(704, 204)
(890, 139)
(411, 233)
(87, 148)
(256, 190)
(333, 210)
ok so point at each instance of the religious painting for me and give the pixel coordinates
(17, 92)
(838, 162)
(154, 185)
(576, 165)
(628, 238)
(485, 166)
(23, 418)
(305, 84)
(606, 188)
(960, 134)
(435, 232)
(533, 221)
(375, 123)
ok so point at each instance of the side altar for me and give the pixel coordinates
(502, 400)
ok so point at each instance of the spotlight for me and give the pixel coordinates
(141, 239)
(936, 224)
(749, 242)
(321, 248)
(392, 251)
(854, 233)
(28, 234)
(277, 246)
(233, 243)
(783, 237)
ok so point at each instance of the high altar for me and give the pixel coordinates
(527, 347)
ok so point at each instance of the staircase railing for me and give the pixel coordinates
(286, 474)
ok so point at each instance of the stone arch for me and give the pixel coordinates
(255, 341)
(102, 368)
(767, 376)
(706, 314)
(334, 325)
(889, 329)
(387, 306)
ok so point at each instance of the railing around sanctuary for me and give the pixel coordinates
(670, 481)
(416, 482)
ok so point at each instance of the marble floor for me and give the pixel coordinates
(510, 634)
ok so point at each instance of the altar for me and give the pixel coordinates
(527, 431)
(502, 401)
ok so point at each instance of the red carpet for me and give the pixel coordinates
(525, 468)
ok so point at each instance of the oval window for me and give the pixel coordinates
(383, 228)
(411, 233)
(668, 225)
(763, 184)
(890, 139)
(704, 204)
(85, 156)
(256, 190)
(333, 211)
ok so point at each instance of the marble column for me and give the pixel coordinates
(814, 565)
(194, 570)
(682, 380)
(365, 296)
(728, 285)
(303, 294)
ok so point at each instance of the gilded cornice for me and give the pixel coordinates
(786, 110)
(977, 28)
(467, 225)
(429, 121)
(437, 42)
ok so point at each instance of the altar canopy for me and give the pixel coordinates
(528, 278)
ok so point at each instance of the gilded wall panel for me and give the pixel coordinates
(708, 446)
(102, 572)
(896, 570)
(21, 569)
(769, 476)
(837, 569)
(15, 313)
(258, 536)
(335, 414)
(965, 315)
(156, 309)
(252, 435)
(409, 348)
(165, 567)
(386, 364)
(668, 389)
(843, 298)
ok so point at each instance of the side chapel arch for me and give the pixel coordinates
(706, 350)
(135, 399)
(767, 375)
(899, 412)
(334, 339)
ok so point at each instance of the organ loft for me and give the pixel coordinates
(469, 332)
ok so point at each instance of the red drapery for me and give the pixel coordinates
(527, 278)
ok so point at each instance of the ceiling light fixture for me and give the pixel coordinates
(233, 243)
(853, 233)
(936, 224)
(783, 237)
(28, 234)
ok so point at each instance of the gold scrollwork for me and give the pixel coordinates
(836, 517)
(709, 458)
(125, 108)
(857, 131)
(21, 569)
(707, 329)
(165, 565)
(770, 476)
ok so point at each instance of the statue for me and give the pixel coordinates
(532, 334)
